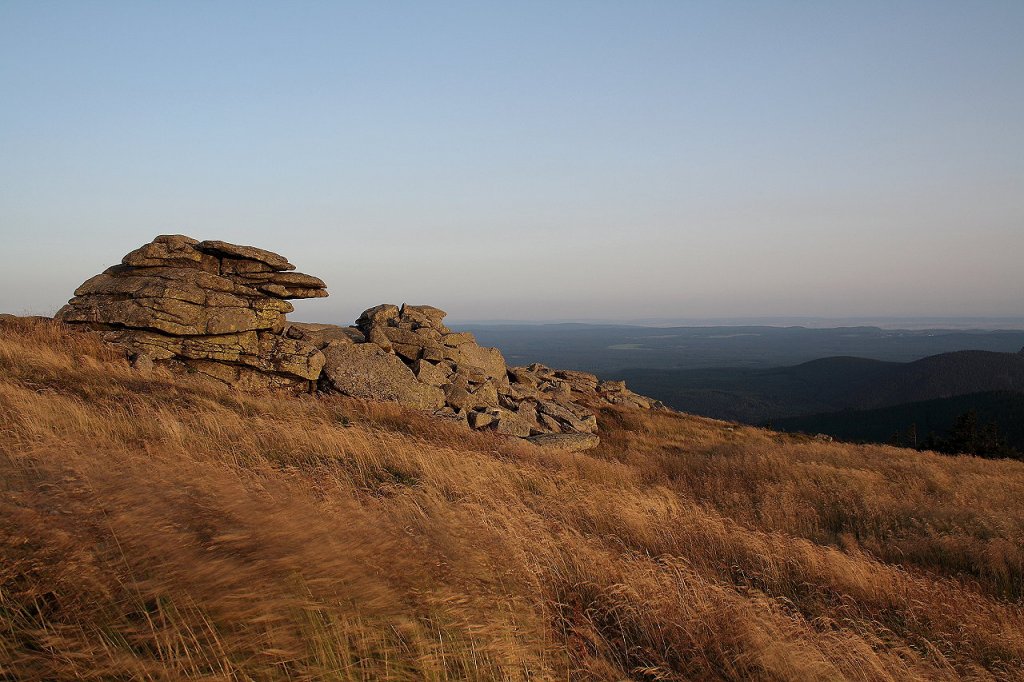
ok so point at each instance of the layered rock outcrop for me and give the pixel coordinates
(211, 307)
(219, 309)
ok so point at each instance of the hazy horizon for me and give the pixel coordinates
(530, 161)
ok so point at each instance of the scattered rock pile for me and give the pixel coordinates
(408, 355)
(210, 307)
(219, 309)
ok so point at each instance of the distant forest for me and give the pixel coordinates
(989, 424)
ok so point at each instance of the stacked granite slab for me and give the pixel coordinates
(209, 307)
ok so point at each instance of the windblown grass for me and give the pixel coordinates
(160, 527)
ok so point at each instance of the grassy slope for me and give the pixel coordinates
(162, 528)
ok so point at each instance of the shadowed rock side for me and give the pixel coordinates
(219, 309)
(208, 307)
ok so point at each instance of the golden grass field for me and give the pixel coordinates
(159, 527)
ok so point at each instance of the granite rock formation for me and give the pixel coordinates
(219, 309)
(210, 307)
(407, 354)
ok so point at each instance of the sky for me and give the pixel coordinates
(554, 160)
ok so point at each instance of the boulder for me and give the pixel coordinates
(377, 337)
(364, 370)
(611, 386)
(485, 395)
(522, 376)
(583, 382)
(512, 424)
(430, 373)
(172, 250)
(488, 360)
(458, 397)
(456, 339)
(376, 316)
(480, 420)
(423, 316)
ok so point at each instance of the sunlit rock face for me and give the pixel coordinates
(211, 307)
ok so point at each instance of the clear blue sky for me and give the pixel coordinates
(529, 160)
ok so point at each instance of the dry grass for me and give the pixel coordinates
(158, 528)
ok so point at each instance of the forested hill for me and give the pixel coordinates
(829, 384)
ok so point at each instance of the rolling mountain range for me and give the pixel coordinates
(829, 385)
(606, 349)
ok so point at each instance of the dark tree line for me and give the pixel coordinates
(967, 436)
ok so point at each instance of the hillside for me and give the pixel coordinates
(163, 527)
(828, 385)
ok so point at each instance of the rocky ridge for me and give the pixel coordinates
(219, 309)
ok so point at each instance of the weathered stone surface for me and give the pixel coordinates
(479, 420)
(218, 315)
(430, 373)
(320, 335)
(227, 348)
(428, 333)
(486, 395)
(611, 386)
(282, 355)
(572, 442)
(456, 339)
(432, 354)
(564, 416)
(512, 424)
(219, 248)
(241, 266)
(406, 336)
(408, 351)
(425, 315)
(522, 376)
(549, 423)
(528, 411)
(377, 337)
(458, 397)
(366, 371)
(283, 284)
(490, 360)
(377, 315)
(578, 381)
(172, 250)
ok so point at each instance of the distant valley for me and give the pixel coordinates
(860, 383)
(828, 384)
